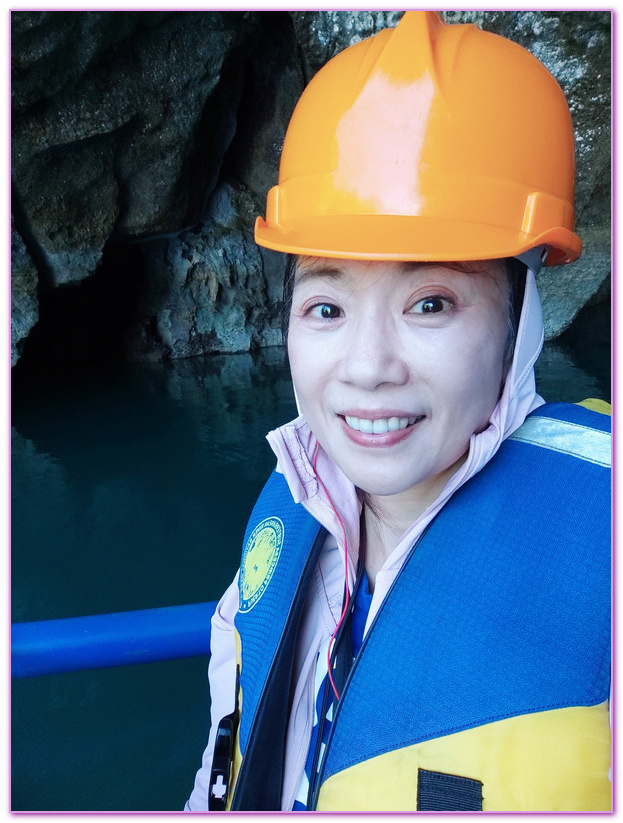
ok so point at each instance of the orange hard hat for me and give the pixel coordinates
(427, 142)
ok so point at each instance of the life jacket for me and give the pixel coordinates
(483, 682)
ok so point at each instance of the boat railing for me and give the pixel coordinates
(105, 640)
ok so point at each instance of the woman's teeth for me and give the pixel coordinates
(381, 426)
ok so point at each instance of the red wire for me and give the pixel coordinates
(346, 590)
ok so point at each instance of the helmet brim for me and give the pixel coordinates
(399, 237)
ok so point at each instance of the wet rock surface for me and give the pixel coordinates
(160, 132)
(24, 304)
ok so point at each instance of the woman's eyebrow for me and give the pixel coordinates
(319, 270)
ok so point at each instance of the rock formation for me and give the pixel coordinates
(143, 145)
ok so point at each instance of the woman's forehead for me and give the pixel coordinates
(337, 268)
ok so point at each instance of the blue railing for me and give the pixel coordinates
(105, 640)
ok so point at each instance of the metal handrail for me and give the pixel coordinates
(106, 640)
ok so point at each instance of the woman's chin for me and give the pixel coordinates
(417, 486)
(380, 488)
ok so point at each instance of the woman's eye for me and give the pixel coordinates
(325, 311)
(431, 305)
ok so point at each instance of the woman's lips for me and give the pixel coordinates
(381, 431)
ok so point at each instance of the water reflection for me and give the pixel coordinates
(559, 377)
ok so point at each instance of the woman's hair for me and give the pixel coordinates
(515, 274)
(288, 291)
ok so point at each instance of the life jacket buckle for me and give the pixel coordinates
(220, 776)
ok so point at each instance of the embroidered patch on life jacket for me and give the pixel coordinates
(440, 792)
(259, 560)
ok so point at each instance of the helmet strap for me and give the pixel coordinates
(534, 258)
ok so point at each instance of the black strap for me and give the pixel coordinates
(441, 792)
(260, 780)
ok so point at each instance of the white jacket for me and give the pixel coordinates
(294, 445)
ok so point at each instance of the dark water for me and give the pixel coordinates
(131, 490)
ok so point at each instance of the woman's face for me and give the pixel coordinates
(396, 365)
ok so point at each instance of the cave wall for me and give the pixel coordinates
(156, 135)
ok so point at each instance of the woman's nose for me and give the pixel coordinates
(372, 354)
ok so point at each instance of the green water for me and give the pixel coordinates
(130, 490)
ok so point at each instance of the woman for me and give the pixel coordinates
(421, 618)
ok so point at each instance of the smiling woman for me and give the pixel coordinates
(398, 345)
(431, 625)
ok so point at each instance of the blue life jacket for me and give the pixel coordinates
(483, 681)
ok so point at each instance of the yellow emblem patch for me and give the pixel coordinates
(259, 559)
